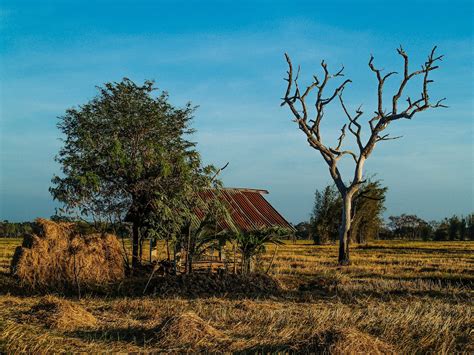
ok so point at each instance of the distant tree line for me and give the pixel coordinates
(15, 230)
(415, 228)
(368, 223)
(19, 229)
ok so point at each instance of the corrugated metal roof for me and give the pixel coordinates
(248, 208)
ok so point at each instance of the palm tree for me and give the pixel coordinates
(207, 233)
(251, 244)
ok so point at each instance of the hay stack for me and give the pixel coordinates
(188, 330)
(58, 257)
(353, 341)
(61, 314)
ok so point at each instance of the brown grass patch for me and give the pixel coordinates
(377, 305)
(352, 341)
(58, 257)
(61, 314)
(188, 331)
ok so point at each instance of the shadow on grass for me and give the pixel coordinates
(196, 285)
(258, 286)
(152, 337)
(139, 336)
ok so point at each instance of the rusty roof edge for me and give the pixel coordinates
(278, 213)
(245, 189)
(256, 208)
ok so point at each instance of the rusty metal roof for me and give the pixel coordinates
(248, 208)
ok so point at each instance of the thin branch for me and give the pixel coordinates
(293, 97)
(353, 121)
(340, 154)
(381, 81)
(341, 137)
(387, 137)
(219, 171)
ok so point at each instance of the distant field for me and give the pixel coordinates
(7, 248)
(401, 260)
(397, 296)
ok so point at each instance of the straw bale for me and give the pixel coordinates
(58, 257)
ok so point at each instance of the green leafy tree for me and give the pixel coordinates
(367, 209)
(442, 231)
(463, 229)
(172, 216)
(411, 227)
(126, 156)
(454, 228)
(470, 226)
(303, 231)
(326, 215)
(14, 230)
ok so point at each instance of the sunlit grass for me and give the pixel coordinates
(396, 296)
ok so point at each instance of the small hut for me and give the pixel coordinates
(248, 209)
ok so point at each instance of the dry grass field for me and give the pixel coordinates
(396, 297)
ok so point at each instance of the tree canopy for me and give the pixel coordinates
(127, 156)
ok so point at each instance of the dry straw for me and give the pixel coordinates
(58, 257)
(61, 314)
(353, 341)
(188, 330)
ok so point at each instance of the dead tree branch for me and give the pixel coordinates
(296, 100)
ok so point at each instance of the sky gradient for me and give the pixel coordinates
(227, 57)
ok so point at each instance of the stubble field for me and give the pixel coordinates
(397, 296)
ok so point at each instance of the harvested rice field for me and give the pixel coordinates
(396, 297)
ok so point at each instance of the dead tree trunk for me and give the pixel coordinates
(344, 229)
(295, 98)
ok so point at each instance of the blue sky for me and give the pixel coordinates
(227, 57)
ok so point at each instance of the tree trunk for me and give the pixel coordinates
(140, 249)
(189, 263)
(189, 253)
(246, 264)
(344, 228)
(235, 258)
(135, 245)
(168, 250)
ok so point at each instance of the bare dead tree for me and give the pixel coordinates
(296, 98)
